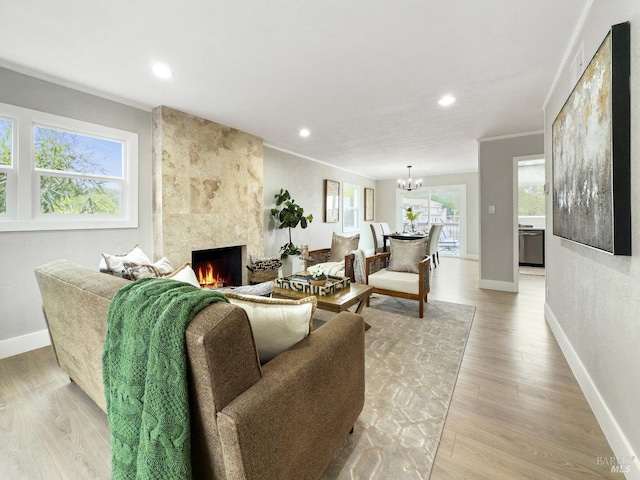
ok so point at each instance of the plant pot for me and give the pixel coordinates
(318, 280)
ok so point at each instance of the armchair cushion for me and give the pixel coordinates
(277, 324)
(406, 255)
(397, 281)
(342, 246)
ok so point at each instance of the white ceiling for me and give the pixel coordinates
(363, 75)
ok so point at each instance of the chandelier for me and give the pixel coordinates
(409, 184)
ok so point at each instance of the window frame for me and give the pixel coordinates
(10, 170)
(23, 190)
(356, 208)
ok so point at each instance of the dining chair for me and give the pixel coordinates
(432, 243)
(385, 228)
(378, 241)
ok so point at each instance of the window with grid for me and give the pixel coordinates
(60, 173)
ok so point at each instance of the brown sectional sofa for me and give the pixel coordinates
(283, 420)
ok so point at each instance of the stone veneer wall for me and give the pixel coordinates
(207, 187)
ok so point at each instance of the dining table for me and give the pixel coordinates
(402, 236)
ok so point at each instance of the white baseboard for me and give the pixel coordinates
(497, 285)
(24, 343)
(472, 256)
(615, 436)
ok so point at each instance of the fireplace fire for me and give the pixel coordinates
(209, 278)
(218, 267)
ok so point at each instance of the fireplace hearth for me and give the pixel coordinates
(218, 267)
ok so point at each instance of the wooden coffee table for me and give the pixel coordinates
(337, 302)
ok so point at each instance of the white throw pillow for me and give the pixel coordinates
(185, 274)
(277, 324)
(114, 264)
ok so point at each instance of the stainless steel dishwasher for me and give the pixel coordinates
(531, 247)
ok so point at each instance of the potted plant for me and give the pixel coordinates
(318, 277)
(412, 217)
(289, 215)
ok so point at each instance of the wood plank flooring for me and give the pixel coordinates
(517, 411)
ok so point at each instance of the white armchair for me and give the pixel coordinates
(414, 286)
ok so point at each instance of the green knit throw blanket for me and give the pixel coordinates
(144, 368)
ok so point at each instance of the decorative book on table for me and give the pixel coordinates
(300, 283)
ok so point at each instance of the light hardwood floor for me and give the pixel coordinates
(517, 411)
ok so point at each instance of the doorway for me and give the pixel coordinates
(444, 205)
(529, 215)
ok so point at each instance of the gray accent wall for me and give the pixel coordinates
(22, 252)
(304, 179)
(593, 298)
(495, 166)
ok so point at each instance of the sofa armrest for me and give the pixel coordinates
(292, 421)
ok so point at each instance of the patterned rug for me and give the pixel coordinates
(411, 369)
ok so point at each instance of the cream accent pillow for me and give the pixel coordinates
(114, 264)
(277, 324)
(185, 274)
(407, 254)
(342, 246)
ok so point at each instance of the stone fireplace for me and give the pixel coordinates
(207, 188)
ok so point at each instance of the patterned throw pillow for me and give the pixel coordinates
(114, 264)
(342, 246)
(136, 271)
(261, 264)
(407, 254)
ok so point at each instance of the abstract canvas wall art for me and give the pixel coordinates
(591, 152)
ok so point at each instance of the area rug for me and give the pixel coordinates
(411, 367)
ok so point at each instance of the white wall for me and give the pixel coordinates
(496, 167)
(386, 203)
(22, 325)
(305, 181)
(593, 298)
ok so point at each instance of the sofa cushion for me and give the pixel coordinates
(185, 274)
(395, 281)
(342, 246)
(406, 255)
(114, 264)
(277, 324)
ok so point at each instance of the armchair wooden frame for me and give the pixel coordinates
(381, 261)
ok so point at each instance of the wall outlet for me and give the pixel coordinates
(492, 209)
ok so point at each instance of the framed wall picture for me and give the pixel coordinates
(369, 213)
(592, 150)
(331, 201)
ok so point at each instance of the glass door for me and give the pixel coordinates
(435, 204)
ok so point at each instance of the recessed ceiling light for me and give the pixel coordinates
(162, 70)
(305, 132)
(447, 100)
